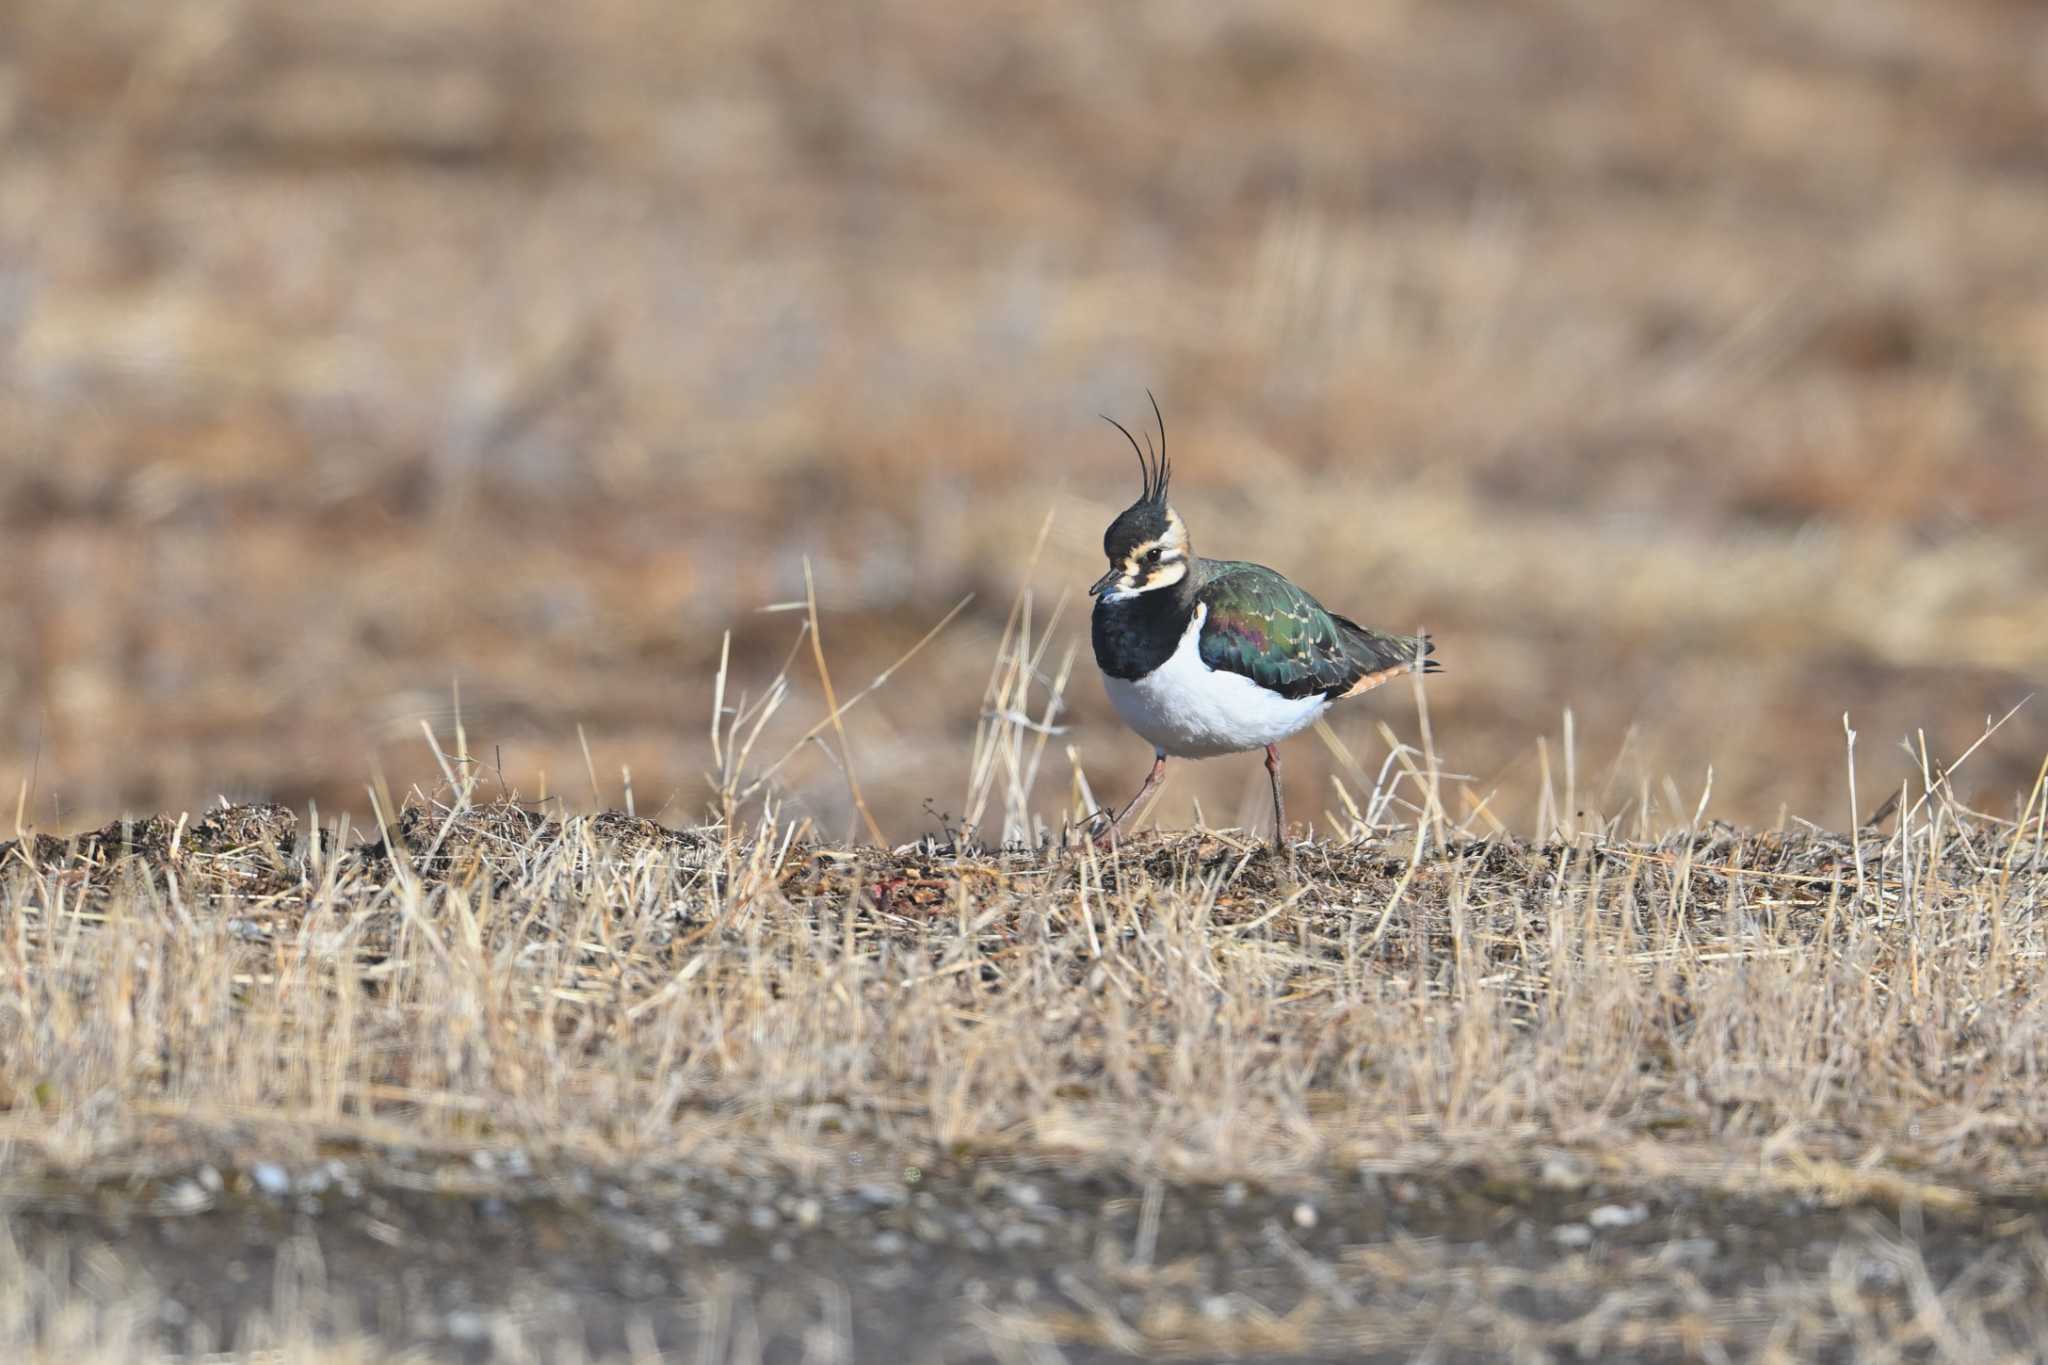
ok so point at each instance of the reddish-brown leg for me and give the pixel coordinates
(1279, 806)
(1151, 781)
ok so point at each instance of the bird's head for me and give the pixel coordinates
(1147, 544)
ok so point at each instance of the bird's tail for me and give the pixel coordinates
(1379, 651)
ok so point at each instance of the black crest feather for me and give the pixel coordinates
(1153, 467)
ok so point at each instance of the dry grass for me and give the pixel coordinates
(1739, 1010)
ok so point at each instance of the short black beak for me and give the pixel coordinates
(1104, 583)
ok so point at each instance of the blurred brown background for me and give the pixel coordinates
(1682, 364)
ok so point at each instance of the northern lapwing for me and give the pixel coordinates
(1216, 656)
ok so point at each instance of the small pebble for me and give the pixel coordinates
(640, 1283)
(1572, 1235)
(1304, 1215)
(889, 1243)
(1014, 1235)
(1691, 1249)
(467, 1325)
(1233, 1194)
(1618, 1215)
(187, 1196)
(271, 1178)
(878, 1195)
(209, 1180)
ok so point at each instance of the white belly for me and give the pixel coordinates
(1190, 710)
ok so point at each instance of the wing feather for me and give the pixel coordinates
(1265, 628)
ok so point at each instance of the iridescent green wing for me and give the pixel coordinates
(1262, 626)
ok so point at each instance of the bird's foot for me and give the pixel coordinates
(1098, 829)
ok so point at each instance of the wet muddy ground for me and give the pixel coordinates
(488, 1258)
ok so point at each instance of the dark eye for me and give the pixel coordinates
(1152, 555)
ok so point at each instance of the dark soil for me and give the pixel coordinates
(977, 1260)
